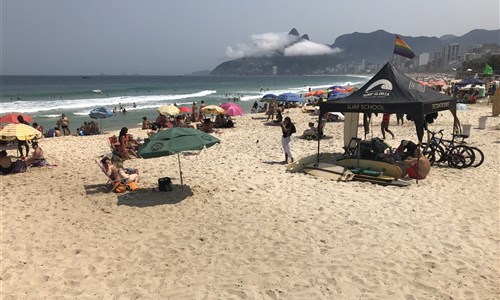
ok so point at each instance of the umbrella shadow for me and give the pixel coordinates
(148, 197)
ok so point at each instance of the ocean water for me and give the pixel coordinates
(45, 98)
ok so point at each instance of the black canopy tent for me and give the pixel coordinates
(390, 91)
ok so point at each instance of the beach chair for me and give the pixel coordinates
(114, 183)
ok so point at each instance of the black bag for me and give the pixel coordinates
(165, 184)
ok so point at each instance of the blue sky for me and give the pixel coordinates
(152, 37)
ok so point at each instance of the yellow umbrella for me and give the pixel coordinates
(21, 132)
(213, 110)
(169, 110)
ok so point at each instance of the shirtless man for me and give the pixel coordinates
(418, 165)
(36, 159)
(118, 174)
(64, 124)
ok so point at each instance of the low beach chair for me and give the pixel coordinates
(114, 183)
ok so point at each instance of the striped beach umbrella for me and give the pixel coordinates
(21, 132)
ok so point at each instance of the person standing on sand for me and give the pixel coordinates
(64, 124)
(384, 126)
(194, 113)
(287, 128)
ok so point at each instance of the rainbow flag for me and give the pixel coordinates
(401, 48)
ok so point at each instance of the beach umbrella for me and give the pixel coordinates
(185, 109)
(169, 110)
(174, 141)
(12, 118)
(213, 110)
(20, 132)
(100, 113)
(232, 109)
(289, 97)
(335, 96)
(268, 98)
(318, 93)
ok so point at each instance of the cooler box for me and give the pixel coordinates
(165, 184)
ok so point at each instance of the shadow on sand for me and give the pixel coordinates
(148, 197)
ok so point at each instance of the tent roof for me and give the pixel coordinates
(390, 91)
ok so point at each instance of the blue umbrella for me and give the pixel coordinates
(289, 97)
(335, 96)
(100, 113)
(268, 98)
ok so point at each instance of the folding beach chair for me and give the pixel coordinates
(114, 183)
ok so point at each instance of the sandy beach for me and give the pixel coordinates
(243, 228)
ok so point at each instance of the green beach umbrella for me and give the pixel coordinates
(174, 141)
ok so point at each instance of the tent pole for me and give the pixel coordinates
(180, 170)
(320, 134)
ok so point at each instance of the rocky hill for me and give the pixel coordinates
(373, 47)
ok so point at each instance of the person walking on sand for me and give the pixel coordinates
(384, 126)
(287, 128)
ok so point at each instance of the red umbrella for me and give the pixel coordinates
(232, 109)
(184, 109)
(12, 118)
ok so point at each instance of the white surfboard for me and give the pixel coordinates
(350, 127)
(298, 165)
(325, 170)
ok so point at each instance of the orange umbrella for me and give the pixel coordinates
(318, 93)
(12, 118)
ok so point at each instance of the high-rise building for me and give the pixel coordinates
(449, 55)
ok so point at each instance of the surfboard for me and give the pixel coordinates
(325, 170)
(298, 165)
(371, 179)
(350, 127)
(385, 168)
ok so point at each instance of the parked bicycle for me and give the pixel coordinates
(439, 150)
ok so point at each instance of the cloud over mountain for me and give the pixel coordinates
(271, 43)
(305, 47)
(264, 44)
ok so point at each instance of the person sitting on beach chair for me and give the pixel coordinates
(118, 175)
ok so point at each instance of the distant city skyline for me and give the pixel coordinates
(154, 37)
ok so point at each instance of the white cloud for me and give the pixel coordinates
(264, 44)
(305, 47)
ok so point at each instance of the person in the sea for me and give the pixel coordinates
(64, 124)
(418, 166)
(6, 163)
(384, 126)
(287, 129)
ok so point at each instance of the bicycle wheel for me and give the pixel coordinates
(461, 151)
(429, 151)
(479, 157)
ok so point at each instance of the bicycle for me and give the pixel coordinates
(439, 150)
(477, 152)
